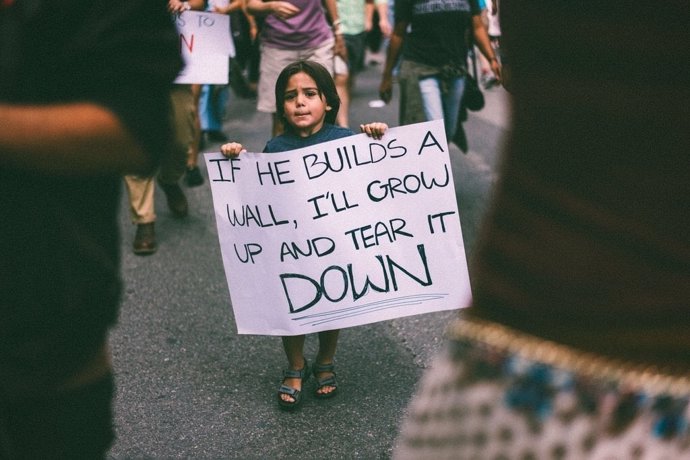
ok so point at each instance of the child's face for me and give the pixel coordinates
(305, 106)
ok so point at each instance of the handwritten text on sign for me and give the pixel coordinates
(205, 45)
(340, 234)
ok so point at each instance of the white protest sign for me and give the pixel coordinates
(206, 45)
(340, 234)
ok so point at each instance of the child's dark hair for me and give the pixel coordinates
(324, 84)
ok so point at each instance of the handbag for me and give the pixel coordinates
(473, 98)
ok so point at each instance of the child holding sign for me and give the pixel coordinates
(307, 102)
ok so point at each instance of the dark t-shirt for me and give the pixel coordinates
(59, 242)
(438, 29)
(289, 141)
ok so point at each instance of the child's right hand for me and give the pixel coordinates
(231, 149)
(375, 130)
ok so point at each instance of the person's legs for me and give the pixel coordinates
(345, 73)
(196, 95)
(451, 105)
(204, 107)
(140, 192)
(323, 54)
(328, 342)
(438, 106)
(211, 106)
(342, 85)
(294, 351)
(431, 98)
(192, 176)
(174, 161)
(273, 61)
(142, 212)
(219, 100)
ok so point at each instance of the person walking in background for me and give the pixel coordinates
(141, 189)
(173, 164)
(244, 31)
(214, 98)
(192, 175)
(576, 342)
(486, 76)
(493, 27)
(84, 98)
(252, 57)
(356, 20)
(308, 103)
(434, 58)
(290, 31)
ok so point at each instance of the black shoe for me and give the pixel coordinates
(145, 240)
(177, 202)
(193, 177)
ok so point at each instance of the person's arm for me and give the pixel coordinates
(384, 25)
(253, 27)
(392, 56)
(71, 139)
(178, 6)
(231, 7)
(368, 15)
(279, 8)
(481, 39)
(332, 12)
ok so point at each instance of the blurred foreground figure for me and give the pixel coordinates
(577, 342)
(84, 98)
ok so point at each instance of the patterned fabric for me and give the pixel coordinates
(480, 402)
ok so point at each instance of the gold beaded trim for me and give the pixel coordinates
(646, 378)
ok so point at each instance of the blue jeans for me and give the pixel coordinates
(212, 107)
(439, 106)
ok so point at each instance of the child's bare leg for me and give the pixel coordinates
(294, 350)
(328, 341)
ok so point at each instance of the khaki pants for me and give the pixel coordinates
(172, 166)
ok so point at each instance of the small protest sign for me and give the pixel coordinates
(340, 234)
(206, 45)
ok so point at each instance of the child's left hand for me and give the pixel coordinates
(375, 130)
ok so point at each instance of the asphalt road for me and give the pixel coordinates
(188, 386)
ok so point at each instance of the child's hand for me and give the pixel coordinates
(375, 130)
(231, 149)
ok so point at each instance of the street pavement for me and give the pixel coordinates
(188, 386)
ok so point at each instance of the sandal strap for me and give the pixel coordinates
(286, 390)
(300, 374)
(328, 382)
(319, 368)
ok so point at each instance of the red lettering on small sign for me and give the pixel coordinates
(189, 44)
